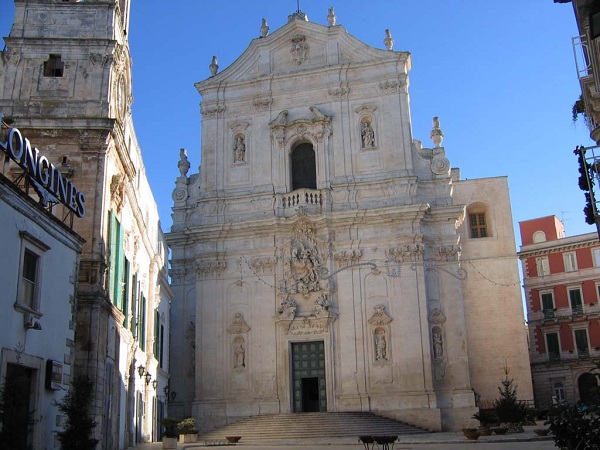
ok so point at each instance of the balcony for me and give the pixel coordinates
(308, 201)
(549, 313)
(553, 356)
(577, 310)
(583, 353)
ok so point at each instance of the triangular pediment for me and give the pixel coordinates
(299, 46)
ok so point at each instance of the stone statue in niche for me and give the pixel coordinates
(239, 150)
(367, 134)
(239, 353)
(380, 345)
(438, 345)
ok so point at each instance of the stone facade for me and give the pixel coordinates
(318, 255)
(67, 87)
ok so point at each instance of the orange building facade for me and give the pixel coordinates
(562, 288)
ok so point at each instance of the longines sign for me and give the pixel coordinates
(42, 172)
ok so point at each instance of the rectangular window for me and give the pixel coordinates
(28, 279)
(116, 261)
(581, 342)
(596, 256)
(161, 346)
(30, 272)
(548, 305)
(142, 323)
(552, 346)
(54, 66)
(576, 301)
(135, 291)
(126, 292)
(478, 226)
(543, 266)
(570, 261)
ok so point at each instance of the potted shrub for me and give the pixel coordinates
(486, 419)
(471, 433)
(188, 433)
(169, 437)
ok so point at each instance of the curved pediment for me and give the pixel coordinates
(301, 46)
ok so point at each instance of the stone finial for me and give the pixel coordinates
(331, 17)
(183, 165)
(389, 40)
(436, 135)
(214, 66)
(264, 28)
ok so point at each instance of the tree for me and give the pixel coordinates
(79, 426)
(508, 408)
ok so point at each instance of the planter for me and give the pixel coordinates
(500, 430)
(541, 431)
(233, 439)
(485, 431)
(169, 443)
(188, 438)
(471, 433)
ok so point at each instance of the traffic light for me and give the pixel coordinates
(586, 184)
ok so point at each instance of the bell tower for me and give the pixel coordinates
(66, 84)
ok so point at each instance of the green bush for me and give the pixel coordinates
(79, 426)
(577, 427)
(187, 426)
(170, 425)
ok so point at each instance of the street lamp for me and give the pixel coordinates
(141, 370)
(148, 377)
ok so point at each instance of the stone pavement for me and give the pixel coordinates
(440, 441)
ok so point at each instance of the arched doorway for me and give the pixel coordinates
(304, 171)
(588, 388)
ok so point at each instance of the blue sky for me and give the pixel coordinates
(500, 75)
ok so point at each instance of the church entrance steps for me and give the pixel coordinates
(285, 427)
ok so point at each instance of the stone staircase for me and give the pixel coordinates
(329, 425)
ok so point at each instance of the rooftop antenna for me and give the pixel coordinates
(298, 2)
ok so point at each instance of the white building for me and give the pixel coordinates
(38, 275)
(68, 88)
(323, 259)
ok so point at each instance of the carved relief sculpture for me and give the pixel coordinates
(287, 309)
(438, 345)
(238, 325)
(299, 49)
(379, 316)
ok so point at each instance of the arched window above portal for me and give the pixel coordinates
(304, 170)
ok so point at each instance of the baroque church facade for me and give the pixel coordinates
(67, 88)
(323, 259)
